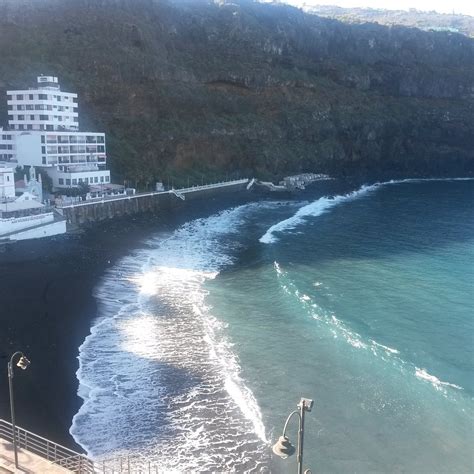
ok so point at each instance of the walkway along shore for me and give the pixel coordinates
(119, 206)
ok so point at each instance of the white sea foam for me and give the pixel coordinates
(157, 374)
(314, 209)
(387, 349)
(341, 330)
(324, 204)
(435, 381)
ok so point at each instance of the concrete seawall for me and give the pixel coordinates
(95, 211)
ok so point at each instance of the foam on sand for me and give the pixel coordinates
(157, 374)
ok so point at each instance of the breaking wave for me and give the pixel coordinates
(157, 375)
(324, 204)
(314, 209)
(340, 330)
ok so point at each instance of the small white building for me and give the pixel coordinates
(44, 125)
(7, 182)
(26, 217)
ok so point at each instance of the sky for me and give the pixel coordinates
(465, 7)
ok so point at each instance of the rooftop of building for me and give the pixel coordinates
(15, 206)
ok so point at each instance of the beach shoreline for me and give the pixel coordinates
(48, 306)
(48, 309)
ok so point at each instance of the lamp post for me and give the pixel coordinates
(283, 446)
(23, 363)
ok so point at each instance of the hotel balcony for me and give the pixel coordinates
(81, 168)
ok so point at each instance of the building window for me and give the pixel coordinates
(107, 179)
(68, 182)
(29, 127)
(9, 97)
(42, 97)
(86, 180)
(44, 160)
(43, 117)
(96, 179)
(31, 97)
(49, 127)
(29, 107)
(74, 181)
(20, 107)
(32, 117)
(19, 97)
(42, 138)
(21, 117)
(101, 179)
(61, 181)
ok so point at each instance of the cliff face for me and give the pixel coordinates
(197, 88)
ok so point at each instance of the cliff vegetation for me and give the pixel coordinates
(206, 90)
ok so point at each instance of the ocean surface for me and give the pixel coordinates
(361, 299)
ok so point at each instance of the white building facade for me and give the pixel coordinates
(7, 146)
(7, 182)
(44, 123)
(44, 108)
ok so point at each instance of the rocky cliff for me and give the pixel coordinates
(215, 89)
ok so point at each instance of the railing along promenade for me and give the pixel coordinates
(70, 460)
(176, 192)
(52, 452)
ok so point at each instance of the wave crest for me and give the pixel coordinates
(314, 209)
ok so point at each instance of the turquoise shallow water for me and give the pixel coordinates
(209, 334)
(367, 308)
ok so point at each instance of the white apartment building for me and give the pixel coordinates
(45, 107)
(69, 158)
(7, 146)
(44, 124)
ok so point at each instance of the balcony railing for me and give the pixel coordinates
(52, 452)
(82, 168)
(72, 461)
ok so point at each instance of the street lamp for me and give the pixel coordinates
(23, 363)
(283, 446)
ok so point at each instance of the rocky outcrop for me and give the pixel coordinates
(197, 88)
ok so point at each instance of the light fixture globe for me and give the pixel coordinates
(23, 363)
(283, 447)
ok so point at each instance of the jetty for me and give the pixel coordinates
(289, 184)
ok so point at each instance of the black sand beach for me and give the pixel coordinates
(47, 308)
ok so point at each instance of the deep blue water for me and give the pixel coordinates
(361, 301)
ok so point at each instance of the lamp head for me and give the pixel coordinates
(23, 363)
(306, 404)
(283, 447)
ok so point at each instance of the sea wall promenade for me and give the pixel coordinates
(117, 206)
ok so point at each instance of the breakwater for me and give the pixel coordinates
(154, 202)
